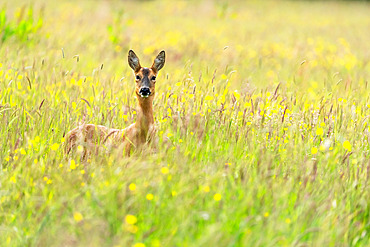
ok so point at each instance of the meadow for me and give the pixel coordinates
(262, 110)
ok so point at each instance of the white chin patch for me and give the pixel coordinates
(144, 96)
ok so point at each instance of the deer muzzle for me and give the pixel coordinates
(145, 92)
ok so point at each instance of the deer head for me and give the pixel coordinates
(145, 77)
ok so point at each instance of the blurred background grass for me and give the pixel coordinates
(262, 109)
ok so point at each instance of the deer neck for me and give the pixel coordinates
(145, 114)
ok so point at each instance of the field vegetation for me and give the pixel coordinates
(262, 111)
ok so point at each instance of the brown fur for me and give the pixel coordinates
(93, 137)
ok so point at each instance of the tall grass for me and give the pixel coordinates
(262, 114)
(22, 26)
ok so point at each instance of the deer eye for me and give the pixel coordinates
(153, 78)
(138, 78)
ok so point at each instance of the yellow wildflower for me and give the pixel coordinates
(130, 219)
(347, 146)
(139, 245)
(78, 216)
(149, 197)
(206, 188)
(72, 165)
(319, 131)
(208, 97)
(132, 187)
(217, 197)
(54, 147)
(165, 170)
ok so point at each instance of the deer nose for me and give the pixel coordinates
(144, 92)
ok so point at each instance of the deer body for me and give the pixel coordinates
(91, 137)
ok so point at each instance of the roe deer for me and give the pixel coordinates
(91, 136)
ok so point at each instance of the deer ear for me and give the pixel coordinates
(133, 61)
(159, 61)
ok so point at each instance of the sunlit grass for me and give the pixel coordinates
(262, 112)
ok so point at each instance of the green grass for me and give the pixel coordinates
(262, 112)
